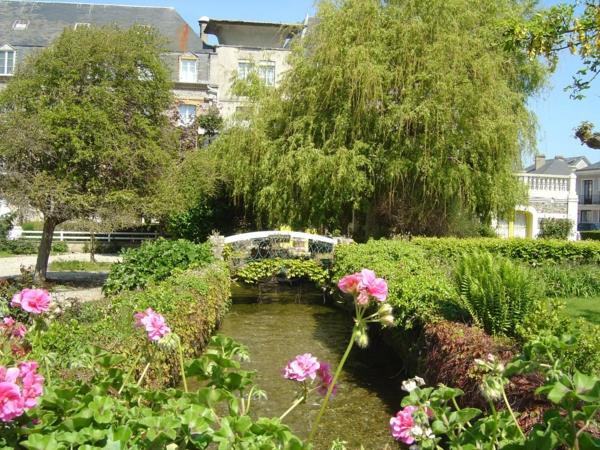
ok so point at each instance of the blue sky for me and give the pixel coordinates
(557, 114)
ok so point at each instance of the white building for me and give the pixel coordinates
(552, 188)
(588, 189)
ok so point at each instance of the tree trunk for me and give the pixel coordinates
(41, 266)
(92, 247)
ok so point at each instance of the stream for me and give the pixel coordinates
(281, 323)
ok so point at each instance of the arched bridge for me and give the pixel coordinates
(280, 244)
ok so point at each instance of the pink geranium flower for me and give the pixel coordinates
(20, 389)
(12, 328)
(301, 368)
(349, 284)
(364, 285)
(153, 322)
(402, 423)
(35, 301)
(326, 377)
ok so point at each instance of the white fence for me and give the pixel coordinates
(85, 236)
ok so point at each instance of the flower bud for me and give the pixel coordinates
(362, 339)
(385, 310)
(387, 321)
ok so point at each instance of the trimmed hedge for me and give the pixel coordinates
(540, 251)
(590, 235)
(418, 289)
(155, 261)
(27, 247)
(193, 303)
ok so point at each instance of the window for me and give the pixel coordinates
(244, 69)
(188, 70)
(20, 25)
(81, 25)
(585, 216)
(587, 191)
(266, 72)
(187, 114)
(7, 60)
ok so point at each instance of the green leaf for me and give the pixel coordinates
(558, 392)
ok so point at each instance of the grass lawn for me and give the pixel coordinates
(79, 266)
(586, 308)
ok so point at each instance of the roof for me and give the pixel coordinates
(595, 166)
(47, 20)
(252, 34)
(556, 166)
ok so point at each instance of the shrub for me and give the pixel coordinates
(5, 225)
(570, 280)
(590, 235)
(27, 247)
(555, 229)
(497, 292)
(193, 303)
(419, 288)
(531, 251)
(155, 261)
(292, 269)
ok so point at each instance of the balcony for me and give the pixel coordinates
(593, 199)
(547, 183)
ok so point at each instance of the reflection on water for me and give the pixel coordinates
(369, 390)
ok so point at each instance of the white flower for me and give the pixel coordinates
(416, 431)
(412, 383)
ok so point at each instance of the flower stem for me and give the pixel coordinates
(180, 351)
(139, 382)
(512, 413)
(313, 430)
(294, 406)
(126, 379)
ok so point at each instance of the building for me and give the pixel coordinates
(244, 48)
(27, 26)
(588, 190)
(552, 193)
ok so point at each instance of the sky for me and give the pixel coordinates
(557, 114)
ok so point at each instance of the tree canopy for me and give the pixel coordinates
(573, 27)
(396, 116)
(83, 126)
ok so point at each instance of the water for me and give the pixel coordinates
(288, 323)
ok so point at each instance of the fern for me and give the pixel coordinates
(496, 292)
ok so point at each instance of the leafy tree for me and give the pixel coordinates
(574, 27)
(396, 116)
(83, 126)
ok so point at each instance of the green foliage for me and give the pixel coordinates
(155, 261)
(418, 287)
(591, 235)
(5, 225)
(555, 229)
(109, 409)
(193, 304)
(292, 269)
(497, 293)
(84, 128)
(534, 252)
(29, 247)
(79, 266)
(570, 280)
(386, 125)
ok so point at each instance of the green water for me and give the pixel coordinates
(287, 323)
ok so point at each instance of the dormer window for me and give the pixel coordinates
(188, 70)
(20, 25)
(7, 60)
(81, 25)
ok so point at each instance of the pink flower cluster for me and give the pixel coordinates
(34, 301)
(153, 322)
(364, 285)
(20, 388)
(12, 328)
(405, 429)
(306, 366)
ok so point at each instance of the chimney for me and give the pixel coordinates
(203, 24)
(540, 160)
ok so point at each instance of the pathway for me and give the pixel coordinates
(11, 266)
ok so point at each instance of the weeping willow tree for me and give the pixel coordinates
(396, 116)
